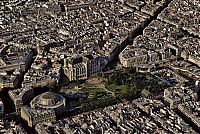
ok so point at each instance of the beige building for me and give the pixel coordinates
(34, 117)
(173, 97)
(186, 54)
(81, 67)
(137, 56)
(76, 68)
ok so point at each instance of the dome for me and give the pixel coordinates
(49, 99)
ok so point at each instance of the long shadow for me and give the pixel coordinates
(9, 106)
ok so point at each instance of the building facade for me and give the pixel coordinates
(130, 57)
(81, 67)
(34, 117)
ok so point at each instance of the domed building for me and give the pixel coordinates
(49, 100)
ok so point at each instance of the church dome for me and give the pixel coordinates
(49, 100)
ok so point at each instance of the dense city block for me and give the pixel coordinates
(99, 66)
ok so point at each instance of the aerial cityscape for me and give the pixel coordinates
(99, 66)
